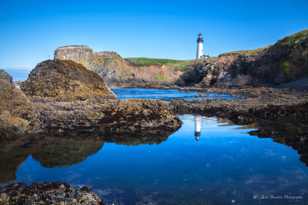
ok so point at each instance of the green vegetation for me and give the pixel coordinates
(285, 68)
(176, 64)
(295, 38)
(160, 77)
(245, 52)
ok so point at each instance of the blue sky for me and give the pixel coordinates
(32, 29)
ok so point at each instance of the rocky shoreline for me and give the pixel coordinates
(256, 104)
(64, 98)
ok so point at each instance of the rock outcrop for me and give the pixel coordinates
(65, 99)
(16, 110)
(285, 61)
(47, 193)
(114, 118)
(265, 104)
(65, 80)
(116, 70)
(70, 100)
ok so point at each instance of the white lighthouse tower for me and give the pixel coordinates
(200, 52)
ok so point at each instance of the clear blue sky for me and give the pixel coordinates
(32, 29)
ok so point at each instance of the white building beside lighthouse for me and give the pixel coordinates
(200, 52)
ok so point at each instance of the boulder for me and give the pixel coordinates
(65, 80)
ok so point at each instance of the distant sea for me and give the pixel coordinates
(18, 73)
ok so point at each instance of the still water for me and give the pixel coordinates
(222, 164)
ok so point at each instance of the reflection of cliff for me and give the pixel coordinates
(11, 156)
(50, 151)
(137, 140)
(294, 135)
(64, 151)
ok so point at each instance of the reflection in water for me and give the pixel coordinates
(294, 135)
(62, 151)
(49, 151)
(198, 127)
(229, 167)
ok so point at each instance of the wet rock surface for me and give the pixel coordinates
(102, 117)
(47, 193)
(259, 104)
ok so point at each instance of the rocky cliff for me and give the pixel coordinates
(117, 70)
(285, 61)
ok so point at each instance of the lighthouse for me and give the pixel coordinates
(200, 41)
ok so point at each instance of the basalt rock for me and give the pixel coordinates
(64, 80)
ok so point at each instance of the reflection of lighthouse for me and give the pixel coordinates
(198, 126)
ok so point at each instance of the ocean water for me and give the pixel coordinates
(18, 74)
(145, 93)
(168, 94)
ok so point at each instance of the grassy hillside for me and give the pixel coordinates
(245, 52)
(295, 38)
(176, 64)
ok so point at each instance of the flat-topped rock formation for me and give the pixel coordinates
(117, 70)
